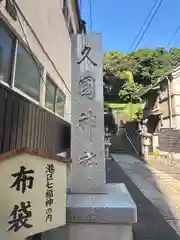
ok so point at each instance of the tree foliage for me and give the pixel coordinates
(130, 92)
(126, 75)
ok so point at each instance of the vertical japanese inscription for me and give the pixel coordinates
(86, 87)
(50, 169)
(86, 51)
(21, 213)
(87, 120)
(87, 83)
(88, 159)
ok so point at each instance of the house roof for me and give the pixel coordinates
(161, 79)
(34, 152)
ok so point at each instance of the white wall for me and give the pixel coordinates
(47, 21)
(175, 122)
(166, 123)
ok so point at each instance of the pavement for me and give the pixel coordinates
(171, 168)
(156, 194)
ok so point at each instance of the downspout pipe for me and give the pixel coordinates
(169, 101)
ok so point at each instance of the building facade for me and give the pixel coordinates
(35, 73)
(162, 102)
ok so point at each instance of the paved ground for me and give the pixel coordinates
(173, 169)
(155, 198)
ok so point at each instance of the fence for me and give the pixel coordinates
(23, 123)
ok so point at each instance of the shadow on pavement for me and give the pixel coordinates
(151, 224)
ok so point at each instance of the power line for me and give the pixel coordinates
(90, 15)
(145, 30)
(176, 42)
(173, 37)
(148, 25)
(144, 23)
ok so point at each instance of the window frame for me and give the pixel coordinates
(50, 79)
(10, 84)
(64, 102)
(13, 51)
(55, 96)
(37, 63)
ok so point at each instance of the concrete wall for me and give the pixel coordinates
(175, 100)
(164, 108)
(175, 124)
(175, 81)
(47, 21)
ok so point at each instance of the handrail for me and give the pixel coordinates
(131, 142)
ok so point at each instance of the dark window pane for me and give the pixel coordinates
(6, 48)
(65, 9)
(60, 103)
(50, 94)
(71, 31)
(28, 73)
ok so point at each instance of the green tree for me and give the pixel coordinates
(125, 75)
(130, 92)
(116, 74)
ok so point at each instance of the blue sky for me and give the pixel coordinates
(120, 20)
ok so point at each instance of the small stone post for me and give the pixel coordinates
(145, 139)
(107, 144)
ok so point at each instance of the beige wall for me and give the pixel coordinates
(36, 195)
(164, 108)
(175, 83)
(166, 123)
(47, 21)
(175, 122)
(176, 104)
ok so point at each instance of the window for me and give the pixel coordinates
(28, 73)
(50, 94)
(65, 9)
(55, 99)
(6, 53)
(60, 103)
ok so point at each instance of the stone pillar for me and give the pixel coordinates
(146, 143)
(95, 210)
(155, 142)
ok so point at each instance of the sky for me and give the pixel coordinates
(120, 20)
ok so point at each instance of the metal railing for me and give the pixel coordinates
(129, 139)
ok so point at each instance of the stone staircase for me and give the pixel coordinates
(121, 144)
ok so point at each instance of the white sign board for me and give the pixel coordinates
(87, 142)
(33, 194)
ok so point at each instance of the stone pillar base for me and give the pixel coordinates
(103, 216)
(87, 231)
